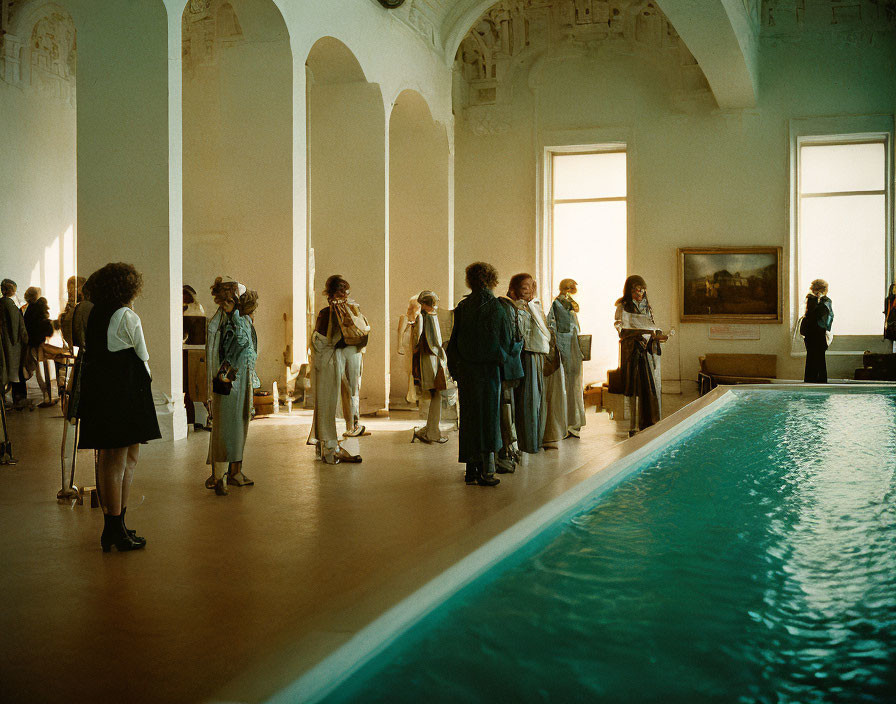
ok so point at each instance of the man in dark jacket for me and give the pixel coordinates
(14, 342)
(480, 344)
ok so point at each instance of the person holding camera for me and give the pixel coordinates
(231, 351)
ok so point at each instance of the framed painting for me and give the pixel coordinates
(730, 284)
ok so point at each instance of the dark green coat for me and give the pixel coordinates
(480, 344)
(14, 339)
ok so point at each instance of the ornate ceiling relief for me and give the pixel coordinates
(207, 26)
(846, 21)
(514, 31)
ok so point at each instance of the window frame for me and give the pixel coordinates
(546, 248)
(838, 131)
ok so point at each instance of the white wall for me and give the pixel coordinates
(237, 169)
(418, 216)
(347, 176)
(37, 169)
(697, 176)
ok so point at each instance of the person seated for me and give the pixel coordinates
(40, 329)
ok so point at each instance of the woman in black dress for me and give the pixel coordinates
(116, 408)
(890, 316)
(814, 328)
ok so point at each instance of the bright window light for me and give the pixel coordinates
(588, 203)
(842, 230)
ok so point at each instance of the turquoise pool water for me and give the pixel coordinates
(751, 560)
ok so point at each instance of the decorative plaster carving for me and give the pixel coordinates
(207, 26)
(422, 16)
(848, 21)
(513, 31)
(483, 120)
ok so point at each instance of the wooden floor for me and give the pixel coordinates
(227, 584)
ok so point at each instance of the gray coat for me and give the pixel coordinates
(14, 340)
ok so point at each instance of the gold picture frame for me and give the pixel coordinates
(730, 284)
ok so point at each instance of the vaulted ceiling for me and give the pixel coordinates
(722, 35)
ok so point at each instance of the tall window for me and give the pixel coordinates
(588, 239)
(843, 228)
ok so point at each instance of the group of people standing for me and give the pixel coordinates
(518, 372)
(25, 347)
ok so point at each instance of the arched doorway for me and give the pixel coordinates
(347, 197)
(237, 146)
(419, 246)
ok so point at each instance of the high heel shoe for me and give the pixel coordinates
(115, 535)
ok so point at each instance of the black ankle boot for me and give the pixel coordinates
(132, 533)
(114, 534)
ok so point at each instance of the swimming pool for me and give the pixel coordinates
(750, 559)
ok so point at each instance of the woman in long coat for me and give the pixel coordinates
(480, 344)
(530, 408)
(15, 341)
(430, 366)
(890, 316)
(815, 327)
(639, 353)
(231, 351)
(564, 321)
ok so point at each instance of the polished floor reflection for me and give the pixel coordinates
(226, 583)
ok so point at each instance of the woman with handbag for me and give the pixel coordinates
(231, 351)
(339, 332)
(564, 321)
(815, 329)
(116, 408)
(639, 352)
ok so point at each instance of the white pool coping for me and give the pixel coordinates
(322, 677)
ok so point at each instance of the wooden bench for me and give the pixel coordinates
(738, 368)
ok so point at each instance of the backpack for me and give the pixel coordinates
(352, 322)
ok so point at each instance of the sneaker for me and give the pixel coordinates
(505, 465)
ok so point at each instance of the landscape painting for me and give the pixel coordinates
(730, 284)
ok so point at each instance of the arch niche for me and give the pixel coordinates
(237, 165)
(347, 198)
(419, 243)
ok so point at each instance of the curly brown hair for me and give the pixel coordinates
(117, 283)
(247, 303)
(481, 275)
(225, 290)
(336, 286)
(516, 281)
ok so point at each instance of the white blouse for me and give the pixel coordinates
(126, 331)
